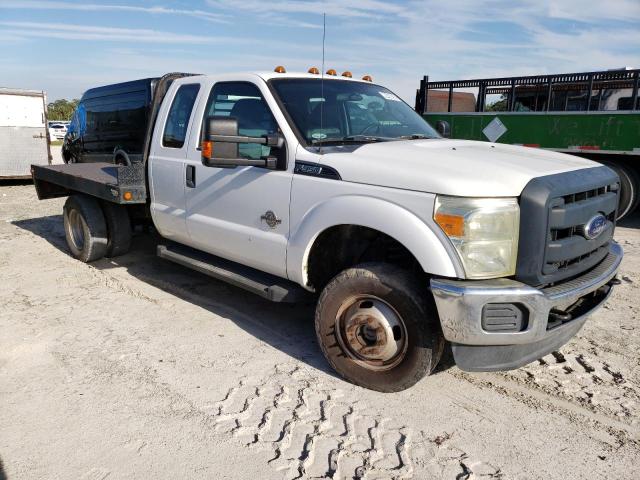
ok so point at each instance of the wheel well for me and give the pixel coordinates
(344, 246)
(120, 157)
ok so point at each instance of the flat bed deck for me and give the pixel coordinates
(123, 184)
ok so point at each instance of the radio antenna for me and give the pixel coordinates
(324, 32)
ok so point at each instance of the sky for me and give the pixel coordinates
(65, 47)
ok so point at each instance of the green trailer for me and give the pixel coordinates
(594, 115)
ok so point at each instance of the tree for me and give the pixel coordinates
(61, 109)
(499, 105)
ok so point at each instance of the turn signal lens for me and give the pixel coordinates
(280, 69)
(207, 148)
(127, 196)
(452, 225)
(347, 74)
(367, 78)
(314, 71)
(331, 71)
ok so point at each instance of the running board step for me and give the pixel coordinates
(264, 284)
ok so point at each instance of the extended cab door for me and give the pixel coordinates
(167, 159)
(240, 213)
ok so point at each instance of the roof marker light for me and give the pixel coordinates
(280, 69)
(347, 74)
(367, 78)
(331, 71)
(314, 71)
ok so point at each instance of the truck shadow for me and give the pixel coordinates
(287, 327)
(632, 221)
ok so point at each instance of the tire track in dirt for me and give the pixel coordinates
(316, 431)
(583, 379)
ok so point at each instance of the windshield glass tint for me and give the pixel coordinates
(340, 109)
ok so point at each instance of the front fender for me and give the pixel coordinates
(378, 214)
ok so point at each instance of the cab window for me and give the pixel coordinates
(175, 130)
(244, 102)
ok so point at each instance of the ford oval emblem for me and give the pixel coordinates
(595, 226)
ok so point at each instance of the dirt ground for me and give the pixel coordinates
(137, 368)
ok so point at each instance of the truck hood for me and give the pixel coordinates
(450, 167)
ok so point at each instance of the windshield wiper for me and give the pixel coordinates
(352, 139)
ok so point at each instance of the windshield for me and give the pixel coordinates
(343, 111)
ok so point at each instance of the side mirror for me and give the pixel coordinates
(220, 145)
(443, 128)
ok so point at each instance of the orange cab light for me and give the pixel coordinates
(347, 74)
(331, 71)
(207, 148)
(280, 69)
(453, 225)
(314, 71)
(367, 78)
(127, 196)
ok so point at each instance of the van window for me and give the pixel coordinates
(175, 130)
(243, 101)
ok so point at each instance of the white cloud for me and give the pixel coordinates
(109, 34)
(90, 7)
(335, 8)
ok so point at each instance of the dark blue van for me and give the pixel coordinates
(110, 123)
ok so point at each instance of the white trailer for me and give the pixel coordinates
(24, 139)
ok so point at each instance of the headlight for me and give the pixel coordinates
(484, 231)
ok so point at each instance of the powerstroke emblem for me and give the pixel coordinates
(316, 170)
(595, 226)
(307, 169)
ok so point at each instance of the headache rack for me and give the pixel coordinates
(542, 85)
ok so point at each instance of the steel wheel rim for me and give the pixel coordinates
(76, 229)
(371, 332)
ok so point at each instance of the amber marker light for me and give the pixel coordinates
(331, 71)
(206, 148)
(347, 74)
(280, 69)
(128, 196)
(314, 71)
(367, 78)
(452, 225)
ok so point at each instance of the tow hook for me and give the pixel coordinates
(559, 315)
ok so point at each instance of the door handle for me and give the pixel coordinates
(191, 176)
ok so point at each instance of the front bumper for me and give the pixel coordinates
(460, 305)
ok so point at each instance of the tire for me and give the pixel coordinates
(629, 188)
(120, 157)
(118, 229)
(85, 228)
(355, 307)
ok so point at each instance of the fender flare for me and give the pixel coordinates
(435, 255)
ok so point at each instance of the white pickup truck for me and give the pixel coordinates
(298, 186)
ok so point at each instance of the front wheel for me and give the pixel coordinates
(378, 328)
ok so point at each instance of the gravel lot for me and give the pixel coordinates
(138, 368)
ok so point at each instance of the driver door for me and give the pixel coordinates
(228, 209)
